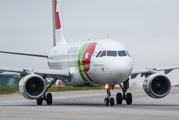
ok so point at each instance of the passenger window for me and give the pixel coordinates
(103, 54)
(122, 53)
(98, 54)
(111, 53)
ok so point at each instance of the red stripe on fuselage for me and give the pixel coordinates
(87, 58)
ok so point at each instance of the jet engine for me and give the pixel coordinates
(157, 85)
(32, 86)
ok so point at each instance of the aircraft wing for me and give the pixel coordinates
(60, 74)
(166, 69)
(26, 54)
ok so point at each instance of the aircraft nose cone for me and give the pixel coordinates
(118, 70)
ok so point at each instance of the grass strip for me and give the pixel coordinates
(64, 88)
(4, 89)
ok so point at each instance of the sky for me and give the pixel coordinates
(149, 29)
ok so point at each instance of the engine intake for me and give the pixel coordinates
(157, 85)
(32, 86)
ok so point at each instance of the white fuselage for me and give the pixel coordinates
(95, 63)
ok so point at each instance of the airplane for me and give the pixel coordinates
(101, 63)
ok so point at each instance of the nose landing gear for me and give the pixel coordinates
(109, 99)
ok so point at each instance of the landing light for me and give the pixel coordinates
(106, 86)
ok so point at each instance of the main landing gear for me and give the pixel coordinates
(127, 97)
(119, 97)
(47, 97)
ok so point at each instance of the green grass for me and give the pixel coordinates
(11, 89)
(63, 88)
(8, 89)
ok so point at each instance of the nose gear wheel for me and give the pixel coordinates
(109, 100)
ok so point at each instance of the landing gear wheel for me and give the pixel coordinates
(129, 98)
(39, 101)
(49, 99)
(119, 98)
(106, 101)
(112, 101)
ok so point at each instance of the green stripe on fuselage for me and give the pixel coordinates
(80, 60)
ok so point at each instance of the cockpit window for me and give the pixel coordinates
(122, 53)
(111, 53)
(103, 54)
(98, 53)
(128, 54)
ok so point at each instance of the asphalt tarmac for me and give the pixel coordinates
(89, 105)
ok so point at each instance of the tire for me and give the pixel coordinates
(39, 101)
(119, 98)
(129, 98)
(106, 101)
(49, 99)
(112, 101)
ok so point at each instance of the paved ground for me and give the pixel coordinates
(80, 105)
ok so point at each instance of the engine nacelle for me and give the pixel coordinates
(32, 86)
(157, 85)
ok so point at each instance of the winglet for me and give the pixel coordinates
(58, 37)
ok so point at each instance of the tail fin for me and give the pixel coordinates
(58, 37)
